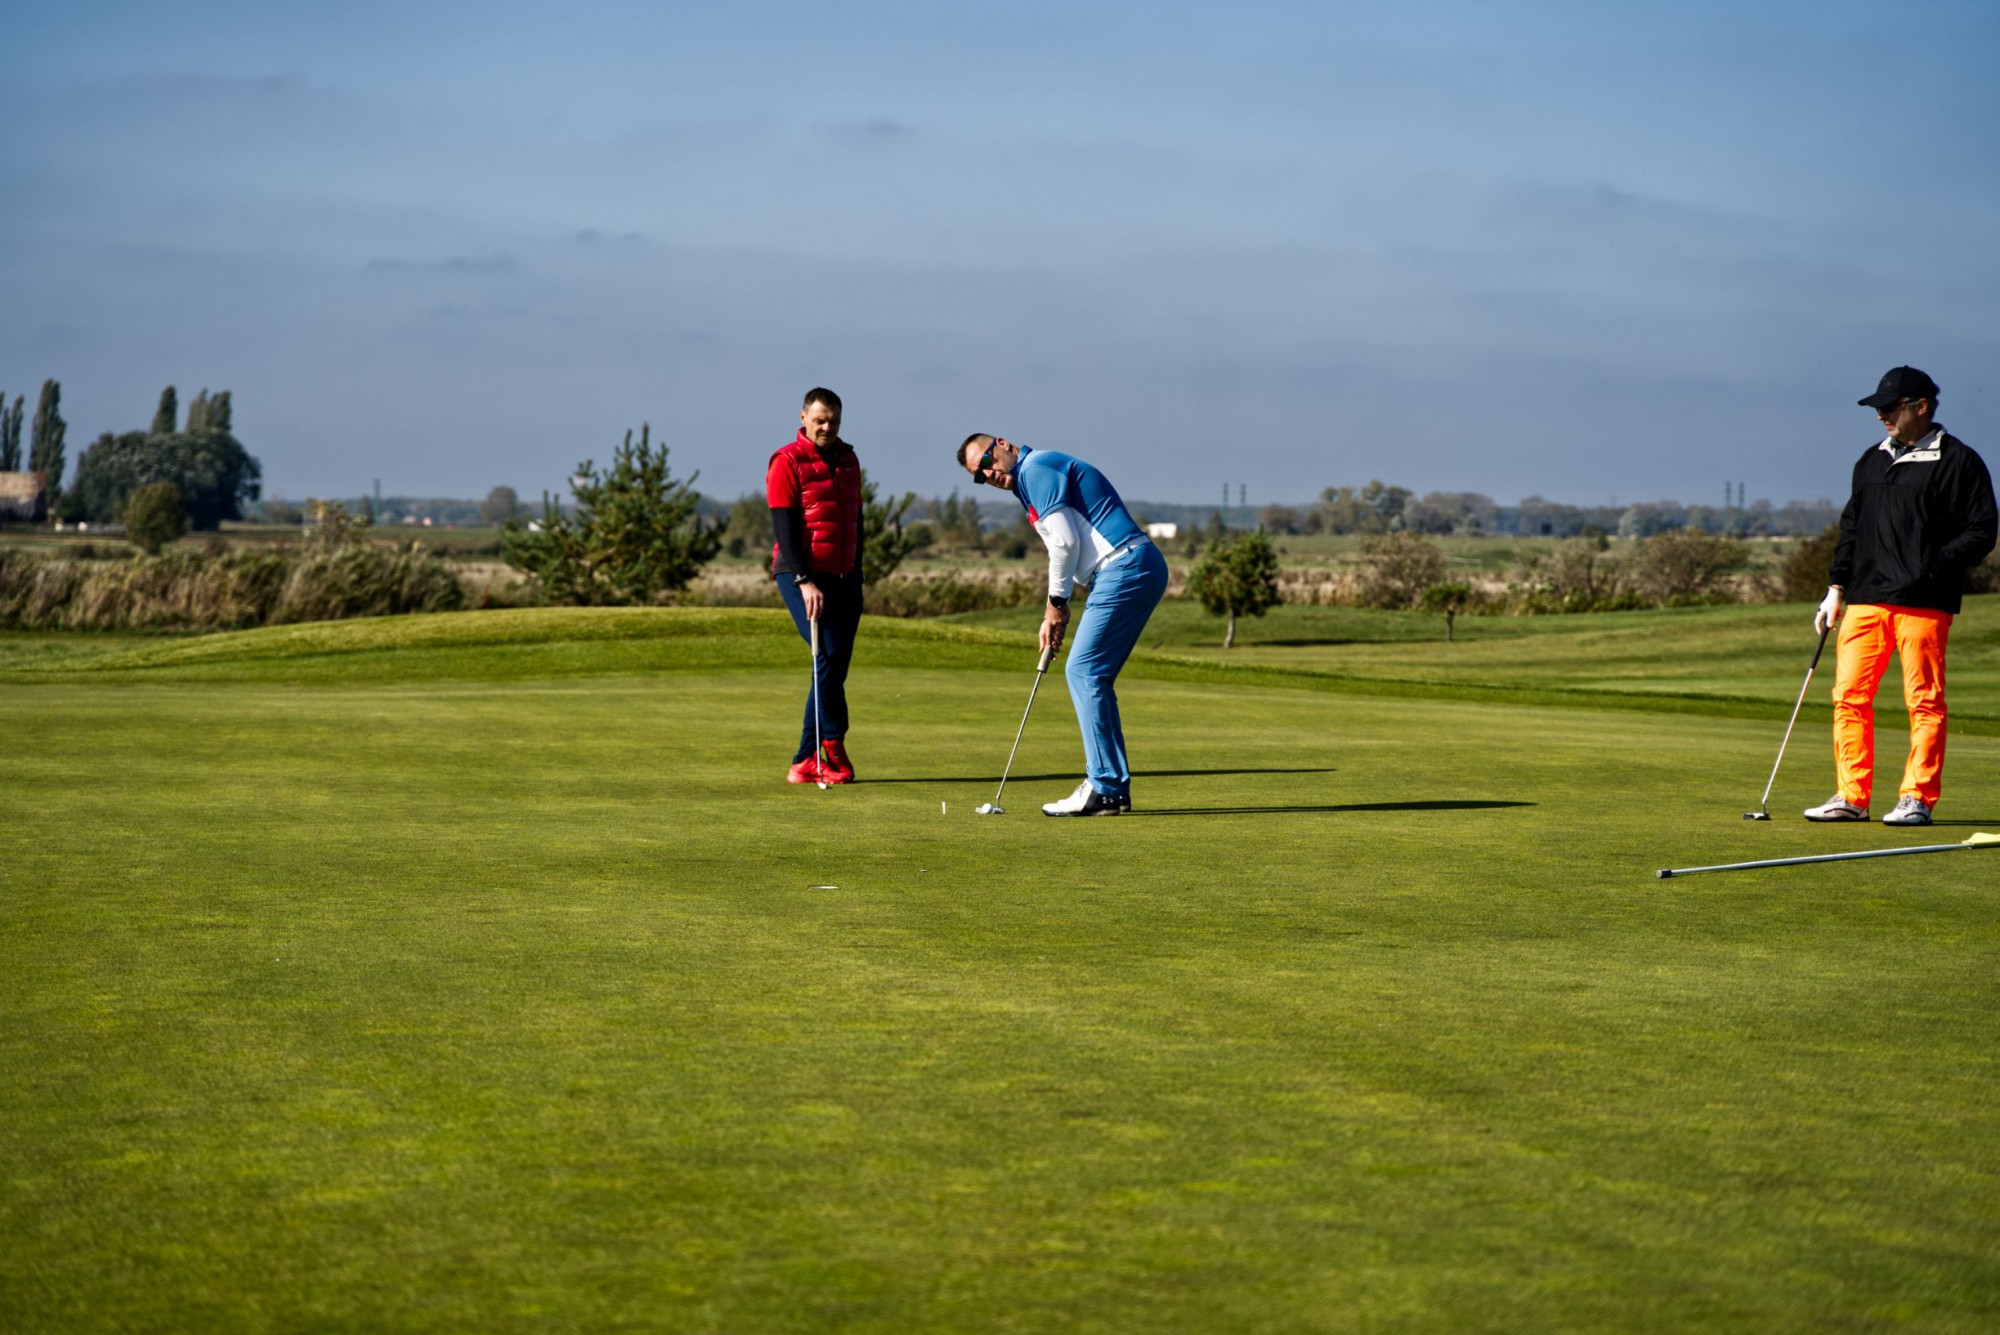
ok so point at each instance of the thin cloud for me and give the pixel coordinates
(878, 130)
(457, 264)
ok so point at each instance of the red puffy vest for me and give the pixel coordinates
(828, 492)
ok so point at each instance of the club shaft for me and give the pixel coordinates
(1804, 686)
(819, 741)
(1824, 857)
(1041, 670)
(1017, 739)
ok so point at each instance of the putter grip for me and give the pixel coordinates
(1047, 654)
(1814, 665)
(815, 635)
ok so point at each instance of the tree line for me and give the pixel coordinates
(193, 463)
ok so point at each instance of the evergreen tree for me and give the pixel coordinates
(45, 452)
(884, 544)
(634, 532)
(218, 416)
(10, 434)
(197, 419)
(167, 418)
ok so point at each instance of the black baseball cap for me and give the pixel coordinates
(1903, 382)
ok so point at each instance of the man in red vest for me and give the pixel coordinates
(814, 489)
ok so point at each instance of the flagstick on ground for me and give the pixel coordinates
(1976, 841)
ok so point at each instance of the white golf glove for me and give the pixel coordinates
(1829, 609)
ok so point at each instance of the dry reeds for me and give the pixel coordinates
(189, 589)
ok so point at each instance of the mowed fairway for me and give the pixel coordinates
(482, 973)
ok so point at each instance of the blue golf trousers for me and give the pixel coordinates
(838, 620)
(1124, 596)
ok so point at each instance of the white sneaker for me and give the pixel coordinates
(1836, 808)
(1909, 811)
(1085, 801)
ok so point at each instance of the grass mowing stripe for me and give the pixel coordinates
(534, 644)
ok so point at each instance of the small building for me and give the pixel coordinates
(21, 496)
(1163, 532)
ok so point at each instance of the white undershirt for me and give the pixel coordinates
(1077, 551)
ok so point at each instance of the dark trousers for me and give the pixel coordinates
(838, 620)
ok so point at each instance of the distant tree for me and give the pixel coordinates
(1447, 600)
(954, 522)
(1236, 576)
(1462, 512)
(1216, 530)
(1396, 568)
(167, 417)
(1375, 508)
(155, 516)
(884, 544)
(1645, 520)
(215, 474)
(500, 505)
(748, 528)
(197, 414)
(1280, 519)
(1685, 567)
(220, 415)
(1581, 575)
(277, 510)
(1809, 568)
(633, 532)
(10, 434)
(45, 452)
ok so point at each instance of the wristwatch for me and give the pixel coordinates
(1058, 602)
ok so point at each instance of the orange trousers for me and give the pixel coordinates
(1869, 633)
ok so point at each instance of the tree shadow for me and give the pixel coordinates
(1071, 776)
(1446, 805)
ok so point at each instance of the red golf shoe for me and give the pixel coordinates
(839, 768)
(809, 770)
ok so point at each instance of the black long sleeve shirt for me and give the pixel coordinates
(1915, 523)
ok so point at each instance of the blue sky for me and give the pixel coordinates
(1554, 248)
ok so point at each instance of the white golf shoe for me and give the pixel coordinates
(1836, 808)
(1085, 801)
(1909, 811)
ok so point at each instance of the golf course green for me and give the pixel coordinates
(480, 972)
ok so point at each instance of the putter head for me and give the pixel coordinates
(1756, 815)
(989, 809)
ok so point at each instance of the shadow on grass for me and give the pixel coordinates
(1070, 776)
(1346, 806)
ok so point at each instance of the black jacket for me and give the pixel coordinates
(1914, 525)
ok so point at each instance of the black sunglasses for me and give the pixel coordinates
(985, 462)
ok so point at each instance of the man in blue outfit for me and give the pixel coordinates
(1093, 542)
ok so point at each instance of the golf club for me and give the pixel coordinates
(819, 744)
(1763, 811)
(1976, 841)
(994, 808)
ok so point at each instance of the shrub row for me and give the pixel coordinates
(206, 589)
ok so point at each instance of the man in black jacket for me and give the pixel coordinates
(1920, 516)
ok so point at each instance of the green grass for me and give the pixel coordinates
(477, 972)
(1719, 654)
